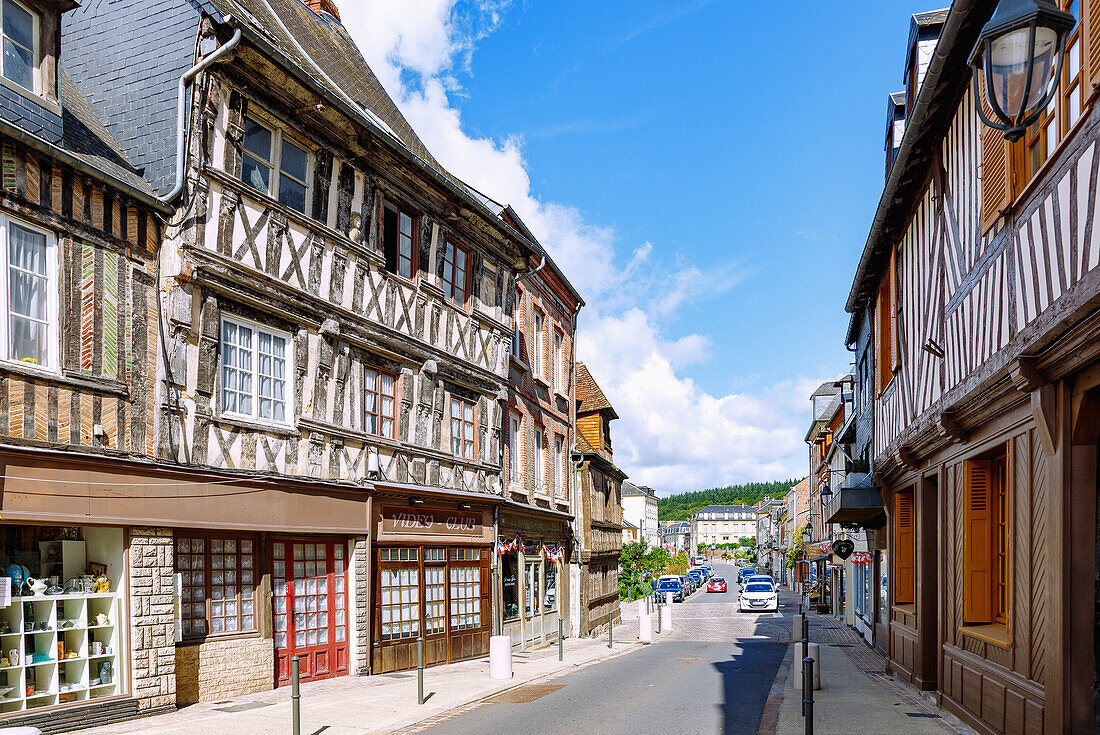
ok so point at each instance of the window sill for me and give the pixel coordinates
(75, 379)
(519, 363)
(908, 609)
(246, 422)
(218, 638)
(995, 633)
(34, 97)
(541, 381)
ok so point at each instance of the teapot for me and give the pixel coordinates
(38, 586)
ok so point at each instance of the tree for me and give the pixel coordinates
(681, 507)
(796, 547)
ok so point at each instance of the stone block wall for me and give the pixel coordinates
(359, 616)
(218, 669)
(152, 617)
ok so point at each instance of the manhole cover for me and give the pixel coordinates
(689, 660)
(243, 707)
(524, 694)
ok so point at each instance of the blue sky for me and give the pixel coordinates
(706, 172)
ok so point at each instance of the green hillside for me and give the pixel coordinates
(680, 507)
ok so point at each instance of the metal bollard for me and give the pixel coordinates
(658, 601)
(610, 626)
(295, 696)
(561, 644)
(808, 693)
(420, 669)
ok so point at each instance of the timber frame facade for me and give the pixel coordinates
(327, 405)
(981, 275)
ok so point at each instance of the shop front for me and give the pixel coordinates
(532, 579)
(432, 561)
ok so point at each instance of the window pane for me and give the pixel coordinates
(292, 194)
(294, 161)
(256, 174)
(257, 139)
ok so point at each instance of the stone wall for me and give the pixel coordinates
(152, 617)
(359, 616)
(218, 669)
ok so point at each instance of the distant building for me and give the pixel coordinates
(640, 509)
(722, 524)
(630, 533)
(676, 536)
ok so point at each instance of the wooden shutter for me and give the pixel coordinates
(994, 168)
(903, 549)
(892, 295)
(978, 543)
(1090, 47)
(885, 324)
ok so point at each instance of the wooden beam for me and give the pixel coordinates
(1045, 410)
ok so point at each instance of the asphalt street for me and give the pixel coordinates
(712, 676)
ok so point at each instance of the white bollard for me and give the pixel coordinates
(668, 600)
(666, 616)
(645, 628)
(500, 657)
(641, 608)
(796, 670)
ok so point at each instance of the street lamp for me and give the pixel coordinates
(826, 495)
(807, 534)
(1019, 54)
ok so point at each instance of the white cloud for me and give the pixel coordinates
(671, 434)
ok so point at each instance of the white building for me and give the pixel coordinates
(676, 536)
(640, 508)
(722, 524)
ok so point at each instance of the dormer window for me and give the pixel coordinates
(20, 28)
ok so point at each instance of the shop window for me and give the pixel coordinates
(465, 554)
(550, 596)
(434, 555)
(904, 547)
(986, 539)
(465, 597)
(20, 57)
(532, 602)
(379, 406)
(455, 268)
(218, 584)
(462, 428)
(254, 371)
(510, 585)
(400, 587)
(883, 588)
(30, 294)
(399, 240)
(435, 593)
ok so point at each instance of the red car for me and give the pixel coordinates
(717, 584)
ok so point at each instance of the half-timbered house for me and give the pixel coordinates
(599, 509)
(981, 276)
(536, 580)
(338, 322)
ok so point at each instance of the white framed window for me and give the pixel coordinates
(275, 164)
(536, 337)
(513, 449)
(254, 371)
(379, 402)
(538, 460)
(558, 367)
(29, 294)
(559, 464)
(21, 47)
(462, 429)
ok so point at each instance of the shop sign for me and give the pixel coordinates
(431, 521)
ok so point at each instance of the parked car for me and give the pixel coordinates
(743, 573)
(673, 585)
(688, 583)
(759, 578)
(716, 584)
(708, 571)
(758, 597)
(697, 575)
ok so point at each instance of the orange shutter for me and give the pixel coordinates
(903, 549)
(994, 168)
(1090, 47)
(977, 543)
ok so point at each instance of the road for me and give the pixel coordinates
(712, 674)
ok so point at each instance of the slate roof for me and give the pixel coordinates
(630, 490)
(85, 138)
(728, 509)
(589, 395)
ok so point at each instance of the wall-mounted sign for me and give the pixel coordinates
(843, 548)
(399, 520)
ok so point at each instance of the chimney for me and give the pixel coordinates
(323, 6)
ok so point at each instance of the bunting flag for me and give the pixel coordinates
(503, 547)
(862, 557)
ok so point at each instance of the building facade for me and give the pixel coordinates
(640, 509)
(722, 524)
(534, 578)
(980, 275)
(600, 508)
(676, 537)
(335, 320)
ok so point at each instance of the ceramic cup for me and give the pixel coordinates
(13, 656)
(97, 648)
(101, 619)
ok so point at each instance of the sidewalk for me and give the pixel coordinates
(354, 705)
(856, 695)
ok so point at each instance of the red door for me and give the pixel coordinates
(310, 608)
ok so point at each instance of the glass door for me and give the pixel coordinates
(310, 608)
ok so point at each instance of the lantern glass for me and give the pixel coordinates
(1008, 66)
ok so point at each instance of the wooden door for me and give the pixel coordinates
(310, 608)
(436, 649)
